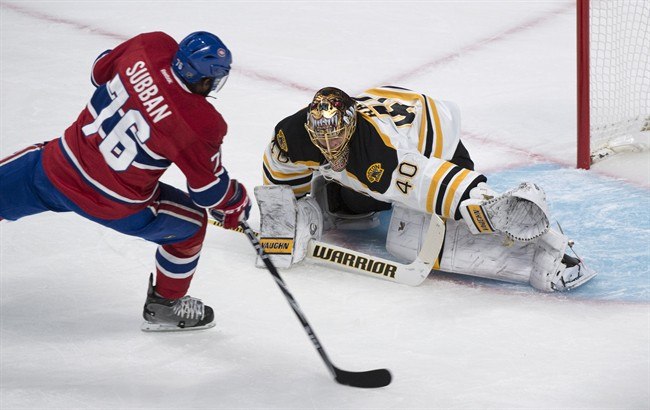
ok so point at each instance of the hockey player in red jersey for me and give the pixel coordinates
(149, 111)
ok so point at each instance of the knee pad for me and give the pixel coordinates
(406, 232)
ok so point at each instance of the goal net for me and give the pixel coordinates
(613, 78)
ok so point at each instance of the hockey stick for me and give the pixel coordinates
(412, 274)
(368, 379)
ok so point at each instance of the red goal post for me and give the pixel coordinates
(613, 81)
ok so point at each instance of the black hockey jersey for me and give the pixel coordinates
(405, 149)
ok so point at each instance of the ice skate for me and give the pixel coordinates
(170, 315)
(574, 275)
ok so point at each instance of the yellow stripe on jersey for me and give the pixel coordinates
(411, 98)
(422, 137)
(438, 138)
(424, 128)
(394, 93)
(285, 175)
(383, 136)
(311, 164)
(301, 190)
(451, 190)
(435, 185)
(352, 176)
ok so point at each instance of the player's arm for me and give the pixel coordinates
(103, 68)
(278, 169)
(210, 186)
(291, 158)
(431, 185)
(96, 76)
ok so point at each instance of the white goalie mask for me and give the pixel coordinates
(331, 121)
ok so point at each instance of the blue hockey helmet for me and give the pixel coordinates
(203, 55)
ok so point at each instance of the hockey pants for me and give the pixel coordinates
(172, 220)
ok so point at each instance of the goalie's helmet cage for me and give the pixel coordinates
(331, 121)
(203, 55)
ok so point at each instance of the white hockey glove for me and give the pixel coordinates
(521, 213)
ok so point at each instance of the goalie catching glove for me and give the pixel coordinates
(236, 206)
(521, 213)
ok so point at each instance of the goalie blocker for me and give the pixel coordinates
(291, 230)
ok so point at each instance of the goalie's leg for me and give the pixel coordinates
(543, 263)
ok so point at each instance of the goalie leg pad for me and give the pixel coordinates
(553, 269)
(542, 263)
(309, 225)
(406, 232)
(521, 213)
(286, 225)
(485, 256)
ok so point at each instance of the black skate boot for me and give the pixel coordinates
(167, 315)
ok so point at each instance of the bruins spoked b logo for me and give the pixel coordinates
(282, 141)
(374, 172)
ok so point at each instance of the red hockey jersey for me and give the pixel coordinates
(139, 121)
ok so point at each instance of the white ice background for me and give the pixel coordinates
(72, 291)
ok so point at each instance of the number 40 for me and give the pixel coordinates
(406, 171)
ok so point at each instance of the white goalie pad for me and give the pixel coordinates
(557, 272)
(406, 232)
(538, 262)
(286, 225)
(521, 213)
(290, 231)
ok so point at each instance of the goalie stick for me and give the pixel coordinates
(367, 379)
(412, 274)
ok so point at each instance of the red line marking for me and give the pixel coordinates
(532, 23)
(528, 157)
(52, 19)
(120, 37)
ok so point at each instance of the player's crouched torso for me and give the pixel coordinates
(137, 123)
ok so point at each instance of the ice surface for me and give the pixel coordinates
(72, 292)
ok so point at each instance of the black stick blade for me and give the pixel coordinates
(369, 380)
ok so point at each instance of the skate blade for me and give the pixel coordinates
(586, 275)
(581, 280)
(157, 327)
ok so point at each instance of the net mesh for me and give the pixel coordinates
(620, 72)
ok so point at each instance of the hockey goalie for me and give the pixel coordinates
(339, 161)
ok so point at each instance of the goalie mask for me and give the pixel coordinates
(331, 121)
